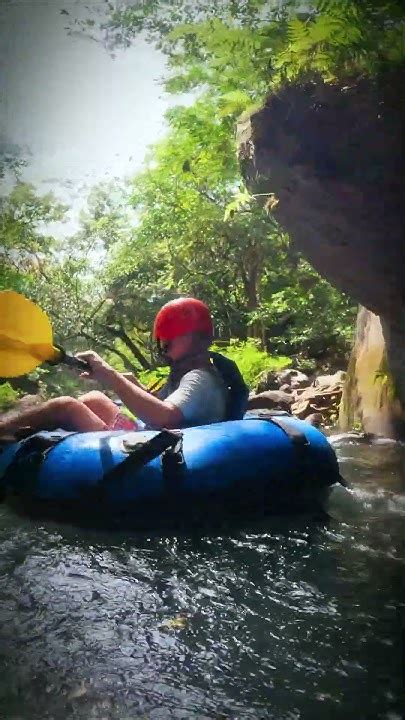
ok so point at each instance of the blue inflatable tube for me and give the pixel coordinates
(152, 479)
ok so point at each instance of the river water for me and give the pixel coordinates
(291, 620)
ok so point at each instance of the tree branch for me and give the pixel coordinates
(122, 335)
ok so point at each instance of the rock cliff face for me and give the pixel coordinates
(368, 395)
(334, 158)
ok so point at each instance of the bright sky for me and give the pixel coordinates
(85, 116)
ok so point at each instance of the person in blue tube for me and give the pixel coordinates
(202, 387)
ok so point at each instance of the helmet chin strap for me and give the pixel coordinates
(162, 354)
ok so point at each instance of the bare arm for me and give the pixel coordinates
(133, 379)
(149, 408)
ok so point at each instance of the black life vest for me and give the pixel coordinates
(238, 391)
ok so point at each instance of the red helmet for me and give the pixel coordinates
(182, 316)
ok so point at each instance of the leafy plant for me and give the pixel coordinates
(251, 359)
(338, 39)
(240, 51)
(383, 377)
(8, 396)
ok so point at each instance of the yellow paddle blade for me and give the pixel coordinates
(25, 335)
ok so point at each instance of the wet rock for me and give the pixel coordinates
(267, 381)
(323, 401)
(293, 378)
(337, 378)
(271, 400)
(283, 379)
(316, 401)
(354, 437)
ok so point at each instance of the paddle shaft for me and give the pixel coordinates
(74, 362)
(70, 360)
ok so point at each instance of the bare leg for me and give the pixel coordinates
(63, 412)
(100, 405)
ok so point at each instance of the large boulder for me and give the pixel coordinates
(333, 156)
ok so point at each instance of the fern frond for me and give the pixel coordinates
(325, 28)
(236, 98)
(297, 31)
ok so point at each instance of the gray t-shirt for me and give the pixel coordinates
(201, 397)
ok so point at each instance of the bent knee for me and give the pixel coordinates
(63, 403)
(100, 405)
(92, 396)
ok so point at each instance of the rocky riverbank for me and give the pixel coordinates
(315, 399)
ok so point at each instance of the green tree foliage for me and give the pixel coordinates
(252, 46)
(187, 239)
(81, 298)
(200, 232)
(118, 25)
(234, 54)
(344, 39)
(25, 246)
(63, 275)
(240, 61)
(187, 224)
